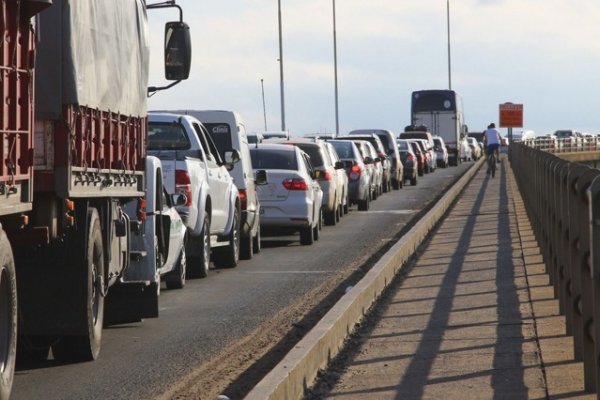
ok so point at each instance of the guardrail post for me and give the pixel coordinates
(594, 199)
(584, 265)
(562, 240)
(575, 259)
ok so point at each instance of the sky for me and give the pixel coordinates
(544, 54)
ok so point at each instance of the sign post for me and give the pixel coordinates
(511, 116)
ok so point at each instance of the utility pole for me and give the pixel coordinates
(337, 118)
(281, 69)
(449, 62)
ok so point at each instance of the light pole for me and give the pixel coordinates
(262, 86)
(337, 119)
(449, 63)
(281, 69)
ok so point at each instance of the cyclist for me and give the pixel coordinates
(492, 140)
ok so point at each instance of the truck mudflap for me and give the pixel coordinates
(131, 302)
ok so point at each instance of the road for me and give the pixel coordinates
(219, 334)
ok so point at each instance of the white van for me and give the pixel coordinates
(228, 131)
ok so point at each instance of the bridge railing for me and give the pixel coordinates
(562, 199)
(564, 145)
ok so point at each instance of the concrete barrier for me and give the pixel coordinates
(298, 370)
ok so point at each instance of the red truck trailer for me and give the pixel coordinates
(74, 130)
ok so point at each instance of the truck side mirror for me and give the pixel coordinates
(231, 157)
(178, 51)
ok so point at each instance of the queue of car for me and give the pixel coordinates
(224, 189)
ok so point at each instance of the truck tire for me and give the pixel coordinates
(200, 265)
(176, 279)
(229, 256)
(8, 317)
(89, 307)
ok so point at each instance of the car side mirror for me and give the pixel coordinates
(368, 160)
(178, 51)
(179, 199)
(260, 177)
(339, 165)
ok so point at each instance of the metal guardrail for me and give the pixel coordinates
(564, 145)
(562, 199)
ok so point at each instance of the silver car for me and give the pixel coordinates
(291, 201)
(359, 174)
(328, 178)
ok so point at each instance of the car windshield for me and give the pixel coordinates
(273, 159)
(402, 145)
(167, 136)
(563, 134)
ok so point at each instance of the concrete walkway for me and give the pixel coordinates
(473, 318)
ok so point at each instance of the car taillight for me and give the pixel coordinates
(355, 172)
(183, 184)
(243, 199)
(409, 157)
(295, 184)
(326, 176)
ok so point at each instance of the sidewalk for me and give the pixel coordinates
(473, 318)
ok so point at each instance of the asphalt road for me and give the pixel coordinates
(196, 323)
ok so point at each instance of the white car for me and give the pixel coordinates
(291, 201)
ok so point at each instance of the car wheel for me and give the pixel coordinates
(176, 279)
(201, 264)
(8, 317)
(330, 217)
(229, 257)
(256, 241)
(246, 247)
(307, 236)
(316, 232)
(413, 181)
(347, 205)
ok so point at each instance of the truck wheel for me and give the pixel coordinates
(176, 279)
(256, 241)
(89, 310)
(8, 317)
(246, 247)
(229, 256)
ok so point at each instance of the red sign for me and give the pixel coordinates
(511, 115)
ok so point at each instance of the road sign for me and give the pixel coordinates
(511, 115)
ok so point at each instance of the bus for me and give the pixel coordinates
(441, 112)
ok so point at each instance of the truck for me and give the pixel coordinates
(441, 112)
(192, 165)
(74, 132)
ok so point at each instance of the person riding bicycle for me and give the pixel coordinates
(492, 140)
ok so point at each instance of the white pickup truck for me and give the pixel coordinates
(192, 166)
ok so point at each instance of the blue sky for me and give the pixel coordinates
(542, 53)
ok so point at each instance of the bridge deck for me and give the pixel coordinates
(474, 316)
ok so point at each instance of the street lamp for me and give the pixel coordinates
(281, 69)
(262, 86)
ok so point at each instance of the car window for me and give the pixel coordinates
(167, 136)
(220, 133)
(402, 145)
(343, 149)
(314, 152)
(273, 159)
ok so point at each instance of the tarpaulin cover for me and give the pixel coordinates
(92, 53)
